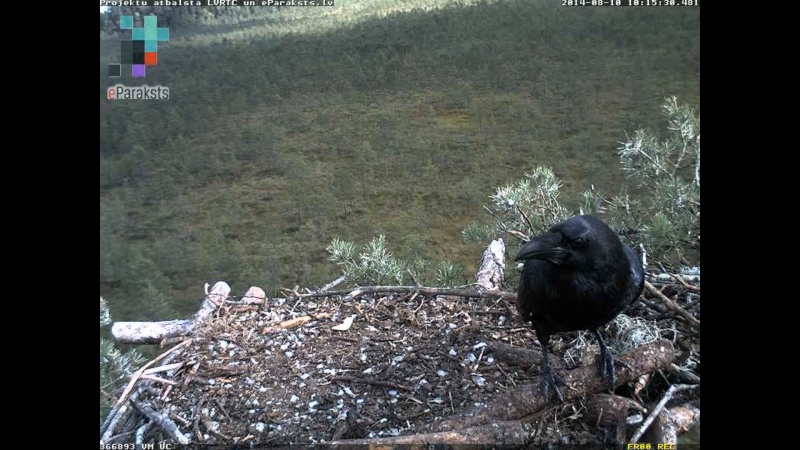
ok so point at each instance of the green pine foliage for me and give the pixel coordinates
(661, 210)
(664, 168)
(529, 204)
(115, 366)
(375, 265)
(449, 274)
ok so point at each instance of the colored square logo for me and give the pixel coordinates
(138, 45)
(115, 70)
(125, 22)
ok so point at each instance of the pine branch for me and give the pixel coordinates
(353, 293)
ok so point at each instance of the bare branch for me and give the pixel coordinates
(163, 421)
(664, 399)
(525, 218)
(333, 283)
(414, 289)
(672, 305)
(522, 237)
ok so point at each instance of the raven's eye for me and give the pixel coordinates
(578, 242)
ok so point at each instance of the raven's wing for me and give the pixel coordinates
(637, 272)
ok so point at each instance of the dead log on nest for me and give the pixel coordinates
(493, 263)
(673, 421)
(155, 332)
(518, 356)
(528, 399)
(499, 420)
(511, 432)
(613, 412)
(667, 423)
(607, 410)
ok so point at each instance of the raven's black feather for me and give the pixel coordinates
(577, 276)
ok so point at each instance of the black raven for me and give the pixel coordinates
(577, 276)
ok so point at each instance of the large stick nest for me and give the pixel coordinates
(437, 369)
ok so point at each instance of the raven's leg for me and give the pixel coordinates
(608, 361)
(549, 377)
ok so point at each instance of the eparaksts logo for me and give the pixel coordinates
(144, 92)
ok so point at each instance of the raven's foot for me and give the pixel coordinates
(608, 365)
(608, 362)
(551, 380)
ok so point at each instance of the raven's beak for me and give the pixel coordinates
(546, 247)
